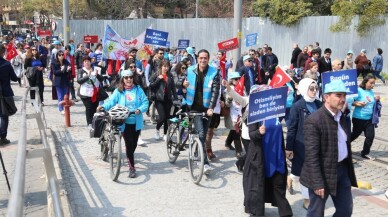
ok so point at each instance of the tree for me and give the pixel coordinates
(284, 12)
(370, 14)
(222, 8)
(53, 7)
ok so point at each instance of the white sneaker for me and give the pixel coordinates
(164, 137)
(157, 136)
(140, 141)
(207, 169)
(63, 112)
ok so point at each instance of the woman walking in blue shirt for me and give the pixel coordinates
(362, 115)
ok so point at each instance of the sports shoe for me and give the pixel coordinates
(132, 173)
(207, 169)
(367, 156)
(164, 137)
(63, 112)
(157, 136)
(140, 141)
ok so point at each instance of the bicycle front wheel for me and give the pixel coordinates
(172, 143)
(196, 160)
(115, 157)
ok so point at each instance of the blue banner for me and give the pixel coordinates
(156, 37)
(183, 44)
(251, 40)
(349, 77)
(267, 104)
(168, 44)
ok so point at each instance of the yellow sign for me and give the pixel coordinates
(67, 28)
(239, 35)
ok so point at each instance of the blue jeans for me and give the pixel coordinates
(377, 75)
(201, 126)
(4, 120)
(343, 201)
(61, 92)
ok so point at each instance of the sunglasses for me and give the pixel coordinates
(33, 49)
(132, 67)
(60, 55)
(183, 68)
(128, 77)
(161, 53)
(313, 88)
(235, 79)
(249, 60)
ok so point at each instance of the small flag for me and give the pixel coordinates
(280, 78)
(239, 88)
(11, 52)
(222, 65)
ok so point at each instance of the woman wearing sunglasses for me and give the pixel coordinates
(35, 61)
(295, 145)
(62, 73)
(132, 96)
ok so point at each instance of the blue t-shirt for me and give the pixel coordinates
(364, 112)
(130, 103)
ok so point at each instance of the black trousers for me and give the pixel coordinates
(241, 160)
(368, 128)
(41, 90)
(131, 136)
(164, 109)
(275, 191)
(233, 136)
(72, 90)
(90, 108)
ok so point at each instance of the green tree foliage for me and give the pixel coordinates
(284, 12)
(370, 13)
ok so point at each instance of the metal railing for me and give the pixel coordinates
(16, 202)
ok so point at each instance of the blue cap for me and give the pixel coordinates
(232, 75)
(247, 57)
(336, 86)
(36, 63)
(363, 50)
(56, 42)
(190, 50)
(126, 73)
(350, 52)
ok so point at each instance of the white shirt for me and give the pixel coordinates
(342, 137)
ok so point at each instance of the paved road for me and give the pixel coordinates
(164, 189)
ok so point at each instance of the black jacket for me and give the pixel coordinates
(6, 75)
(158, 87)
(323, 66)
(321, 152)
(82, 79)
(294, 57)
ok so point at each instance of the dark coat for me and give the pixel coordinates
(298, 114)
(294, 57)
(323, 66)
(6, 75)
(61, 78)
(253, 175)
(321, 152)
(158, 86)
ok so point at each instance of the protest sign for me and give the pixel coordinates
(349, 77)
(251, 40)
(91, 39)
(227, 45)
(267, 104)
(156, 37)
(183, 44)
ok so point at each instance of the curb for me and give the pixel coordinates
(64, 197)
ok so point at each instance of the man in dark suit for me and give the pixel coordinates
(328, 168)
(6, 75)
(324, 63)
(295, 54)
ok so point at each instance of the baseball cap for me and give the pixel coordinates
(232, 75)
(246, 57)
(336, 86)
(56, 42)
(126, 73)
(132, 49)
(363, 50)
(350, 52)
(190, 50)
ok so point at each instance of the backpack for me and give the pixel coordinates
(98, 125)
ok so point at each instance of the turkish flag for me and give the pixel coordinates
(239, 88)
(222, 65)
(118, 66)
(11, 52)
(280, 78)
(110, 67)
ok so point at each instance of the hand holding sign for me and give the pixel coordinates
(262, 129)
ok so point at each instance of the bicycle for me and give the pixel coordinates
(176, 142)
(110, 142)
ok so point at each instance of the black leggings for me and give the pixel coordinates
(130, 135)
(90, 108)
(368, 128)
(164, 109)
(235, 137)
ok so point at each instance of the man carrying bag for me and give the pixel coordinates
(7, 104)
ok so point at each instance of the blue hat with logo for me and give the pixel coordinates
(247, 57)
(126, 73)
(232, 75)
(190, 50)
(336, 86)
(56, 42)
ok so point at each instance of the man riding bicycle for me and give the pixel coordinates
(203, 89)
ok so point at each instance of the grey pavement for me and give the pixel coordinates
(164, 189)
